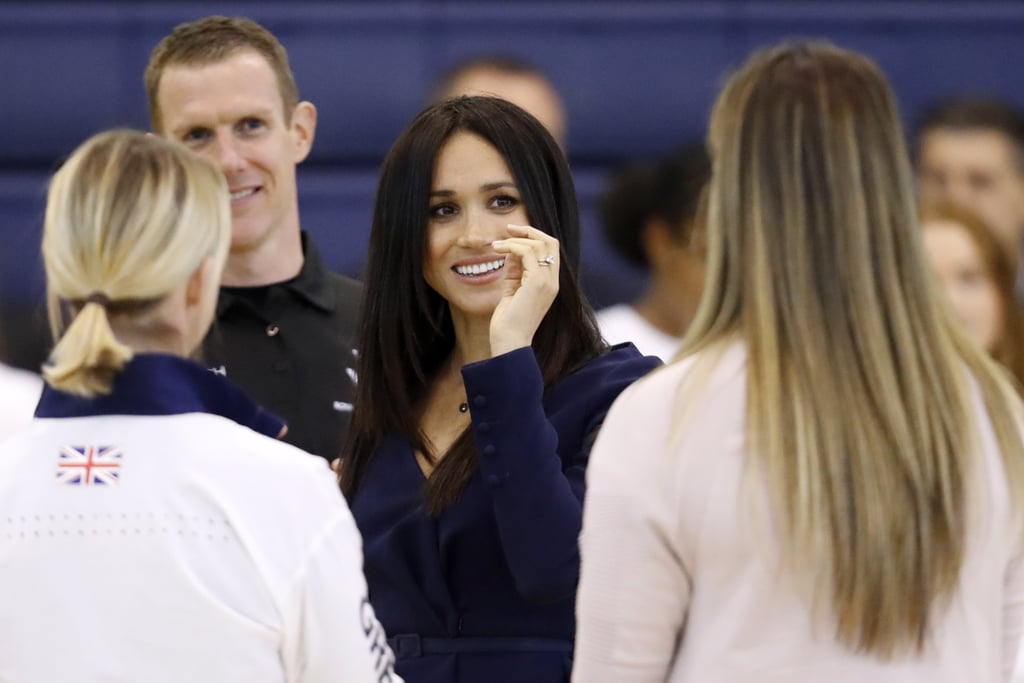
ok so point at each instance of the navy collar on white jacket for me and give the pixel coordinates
(158, 384)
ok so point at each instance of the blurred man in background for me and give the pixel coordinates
(971, 152)
(512, 79)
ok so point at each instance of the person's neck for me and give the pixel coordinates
(273, 261)
(472, 339)
(666, 308)
(162, 339)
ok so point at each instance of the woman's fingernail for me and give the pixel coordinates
(497, 243)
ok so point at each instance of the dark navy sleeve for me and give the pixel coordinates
(235, 404)
(537, 495)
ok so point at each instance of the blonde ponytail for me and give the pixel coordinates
(88, 356)
(129, 218)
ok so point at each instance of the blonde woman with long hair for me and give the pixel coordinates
(145, 515)
(827, 485)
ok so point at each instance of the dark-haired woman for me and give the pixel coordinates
(483, 382)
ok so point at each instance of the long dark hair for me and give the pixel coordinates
(406, 332)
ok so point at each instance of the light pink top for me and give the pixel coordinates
(680, 582)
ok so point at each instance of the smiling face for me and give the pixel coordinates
(964, 277)
(232, 113)
(473, 198)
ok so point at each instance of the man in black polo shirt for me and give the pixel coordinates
(284, 324)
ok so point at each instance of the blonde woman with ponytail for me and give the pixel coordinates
(146, 514)
(827, 485)
(117, 261)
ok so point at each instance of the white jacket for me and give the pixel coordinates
(176, 544)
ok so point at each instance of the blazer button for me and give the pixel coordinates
(489, 449)
(494, 481)
(483, 427)
(480, 401)
(272, 330)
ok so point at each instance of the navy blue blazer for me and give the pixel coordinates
(486, 591)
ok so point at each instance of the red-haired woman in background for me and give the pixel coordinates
(978, 276)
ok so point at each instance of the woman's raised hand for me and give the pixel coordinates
(530, 286)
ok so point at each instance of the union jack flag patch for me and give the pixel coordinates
(85, 465)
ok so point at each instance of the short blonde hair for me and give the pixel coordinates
(129, 218)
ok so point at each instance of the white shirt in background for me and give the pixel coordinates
(621, 323)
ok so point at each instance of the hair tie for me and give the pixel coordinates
(97, 298)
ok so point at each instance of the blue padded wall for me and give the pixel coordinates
(638, 78)
(635, 76)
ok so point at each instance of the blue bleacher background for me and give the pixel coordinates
(637, 79)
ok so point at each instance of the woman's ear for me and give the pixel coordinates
(199, 282)
(200, 302)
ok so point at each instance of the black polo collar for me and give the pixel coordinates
(310, 284)
(158, 384)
